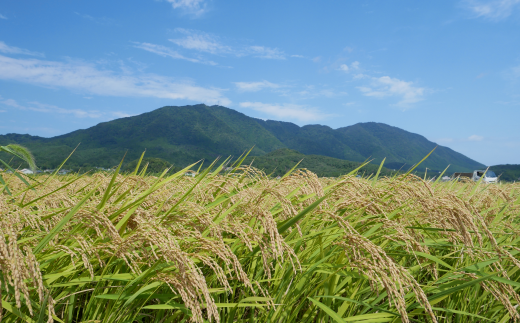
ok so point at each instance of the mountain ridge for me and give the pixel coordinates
(183, 135)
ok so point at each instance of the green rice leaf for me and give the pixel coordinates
(327, 310)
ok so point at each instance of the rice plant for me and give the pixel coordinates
(20, 152)
(241, 246)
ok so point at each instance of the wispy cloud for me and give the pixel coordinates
(195, 8)
(311, 92)
(47, 108)
(347, 69)
(6, 49)
(265, 52)
(344, 68)
(200, 41)
(97, 20)
(446, 140)
(85, 77)
(493, 10)
(285, 111)
(168, 52)
(255, 86)
(475, 138)
(2, 16)
(212, 44)
(119, 114)
(386, 86)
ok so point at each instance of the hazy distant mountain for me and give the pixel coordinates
(183, 135)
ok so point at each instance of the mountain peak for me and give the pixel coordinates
(186, 134)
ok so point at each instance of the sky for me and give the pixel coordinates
(447, 70)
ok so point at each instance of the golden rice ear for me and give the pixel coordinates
(22, 153)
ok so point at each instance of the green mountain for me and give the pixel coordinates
(510, 173)
(374, 140)
(183, 135)
(180, 135)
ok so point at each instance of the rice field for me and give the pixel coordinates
(244, 247)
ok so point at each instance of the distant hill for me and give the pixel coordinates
(375, 140)
(282, 160)
(510, 173)
(183, 135)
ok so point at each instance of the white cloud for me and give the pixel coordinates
(209, 43)
(443, 140)
(386, 86)
(266, 52)
(255, 86)
(285, 111)
(494, 10)
(311, 92)
(344, 68)
(2, 16)
(298, 56)
(4, 48)
(166, 52)
(84, 77)
(360, 76)
(120, 114)
(100, 21)
(200, 41)
(193, 7)
(47, 108)
(475, 138)
(2, 111)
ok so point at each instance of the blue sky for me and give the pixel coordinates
(448, 70)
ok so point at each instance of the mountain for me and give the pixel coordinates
(510, 173)
(183, 135)
(374, 140)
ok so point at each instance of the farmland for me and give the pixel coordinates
(244, 247)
